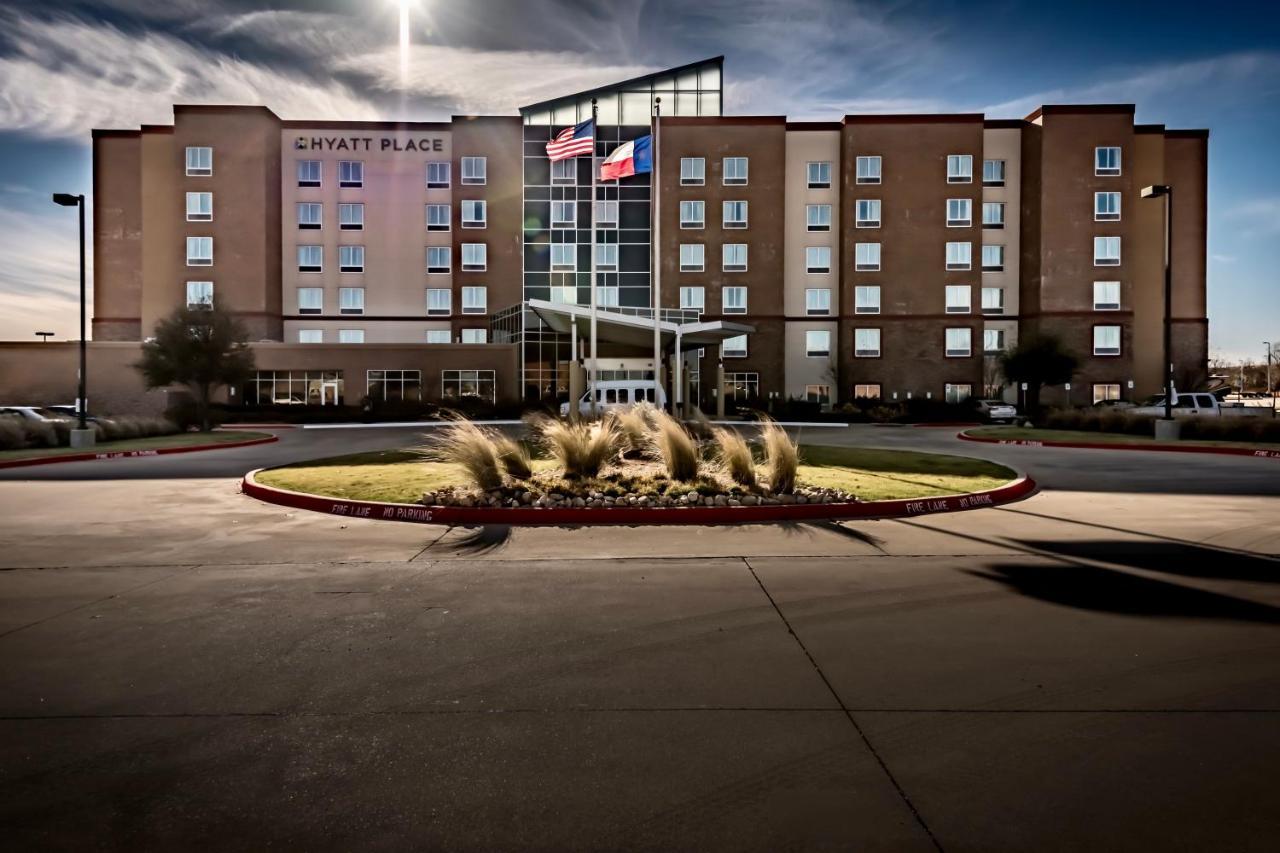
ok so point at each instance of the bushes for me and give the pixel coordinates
(582, 449)
(734, 455)
(1257, 429)
(514, 457)
(470, 448)
(12, 436)
(675, 447)
(634, 426)
(1094, 420)
(782, 457)
(127, 427)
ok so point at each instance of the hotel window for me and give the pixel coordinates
(607, 257)
(959, 256)
(817, 217)
(1106, 340)
(1106, 251)
(693, 298)
(199, 207)
(733, 257)
(866, 343)
(564, 214)
(993, 214)
(733, 300)
(993, 340)
(1106, 161)
(439, 302)
(866, 257)
(474, 170)
(817, 393)
(959, 299)
(438, 260)
(350, 173)
(475, 336)
(993, 300)
(438, 175)
(818, 175)
(866, 299)
(1106, 391)
(564, 294)
(310, 216)
(735, 171)
(199, 161)
(607, 296)
(394, 384)
(817, 343)
(735, 214)
(310, 300)
(817, 301)
(693, 171)
(351, 336)
(735, 347)
(1106, 296)
(866, 392)
(959, 212)
(199, 251)
(437, 217)
(310, 258)
(993, 173)
(351, 217)
(992, 258)
(475, 257)
(475, 300)
(867, 213)
(957, 393)
(565, 171)
(606, 213)
(350, 300)
(958, 343)
(351, 259)
(473, 214)
(959, 168)
(309, 172)
(468, 383)
(310, 336)
(692, 214)
(742, 386)
(868, 170)
(692, 257)
(1106, 207)
(564, 257)
(438, 336)
(199, 294)
(817, 259)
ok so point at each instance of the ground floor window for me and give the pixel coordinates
(468, 383)
(295, 388)
(1106, 391)
(866, 392)
(386, 385)
(741, 386)
(818, 393)
(959, 393)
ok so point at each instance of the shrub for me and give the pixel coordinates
(12, 436)
(582, 449)
(675, 447)
(734, 455)
(39, 434)
(635, 427)
(783, 458)
(466, 445)
(514, 456)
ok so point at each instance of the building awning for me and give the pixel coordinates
(636, 329)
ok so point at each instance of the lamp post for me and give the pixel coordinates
(1168, 427)
(44, 336)
(81, 436)
(1271, 394)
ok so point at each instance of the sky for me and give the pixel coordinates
(67, 67)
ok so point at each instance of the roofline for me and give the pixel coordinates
(813, 125)
(214, 109)
(914, 118)
(298, 124)
(1188, 133)
(1004, 123)
(1081, 109)
(722, 120)
(676, 70)
(113, 133)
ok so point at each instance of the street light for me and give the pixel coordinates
(1169, 428)
(44, 336)
(82, 436)
(1271, 394)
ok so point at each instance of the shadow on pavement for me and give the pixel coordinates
(1173, 558)
(478, 540)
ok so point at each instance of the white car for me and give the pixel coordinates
(35, 413)
(997, 410)
(616, 394)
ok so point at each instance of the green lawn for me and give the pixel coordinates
(1080, 435)
(184, 439)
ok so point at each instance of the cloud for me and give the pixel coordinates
(40, 280)
(1259, 217)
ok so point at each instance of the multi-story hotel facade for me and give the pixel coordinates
(888, 256)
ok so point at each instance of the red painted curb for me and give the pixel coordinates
(526, 517)
(238, 427)
(950, 424)
(1086, 445)
(128, 454)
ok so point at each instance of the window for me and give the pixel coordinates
(959, 212)
(607, 257)
(992, 258)
(351, 217)
(394, 384)
(733, 300)
(817, 301)
(817, 259)
(199, 251)
(473, 214)
(1106, 340)
(1106, 391)
(301, 387)
(742, 386)
(959, 299)
(1106, 296)
(993, 340)
(959, 168)
(439, 302)
(866, 299)
(309, 173)
(199, 294)
(734, 257)
(475, 257)
(866, 256)
(993, 300)
(692, 257)
(199, 161)
(350, 173)
(993, 214)
(199, 207)
(351, 300)
(310, 216)
(1106, 161)
(692, 214)
(310, 300)
(957, 393)
(735, 171)
(475, 300)
(866, 343)
(351, 336)
(817, 393)
(474, 170)
(438, 336)
(564, 214)
(958, 343)
(735, 214)
(817, 217)
(564, 257)
(868, 170)
(818, 175)
(564, 294)
(866, 392)
(993, 173)
(351, 259)
(735, 347)
(607, 296)
(1106, 207)
(475, 336)
(867, 213)
(1106, 251)
(959, 256)
(437, 217)
(438, 260)
(692, 298)
(310, 336)
(438, 175)
(468, 383)
(817, 343)
(693, 171)
(310, 258)
(565, 171)
(606, 213)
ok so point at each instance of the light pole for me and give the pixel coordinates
(81, 436)
(1168, 427)
(1271, 394)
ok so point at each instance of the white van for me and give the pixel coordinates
(619, 394)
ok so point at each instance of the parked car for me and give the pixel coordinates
(997, 411)
(68, 410)
(1114, 404)
(616, 394)
(35, 413)
(1194, 404)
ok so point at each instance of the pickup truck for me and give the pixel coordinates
(1195, 404)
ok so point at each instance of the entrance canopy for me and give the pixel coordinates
(634, 327)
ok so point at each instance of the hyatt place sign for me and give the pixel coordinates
(366, 143)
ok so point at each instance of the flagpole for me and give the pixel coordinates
(593, 374)
(657, 268)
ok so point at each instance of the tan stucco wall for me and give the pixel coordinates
(802, 370)
(381, 332)
(804, 146)
(1003, 144)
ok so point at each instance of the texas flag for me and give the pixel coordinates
(629, 158)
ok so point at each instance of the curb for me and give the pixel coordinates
(1019, 489)
(1152, 446)
(130, 454)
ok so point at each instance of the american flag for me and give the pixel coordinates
(573, 141)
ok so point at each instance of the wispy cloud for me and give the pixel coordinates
(39, 285)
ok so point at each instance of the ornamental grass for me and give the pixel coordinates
(675, 447)
(464, 444)
(635, 426)
(582, 449)
(734, 456)
(782, 458)
(514, 457)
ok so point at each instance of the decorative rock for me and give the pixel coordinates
(579, 502)
(750, 500)
(786, 499)
(693, 497)
(734, 502)
(721, 500)
(801, 499)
